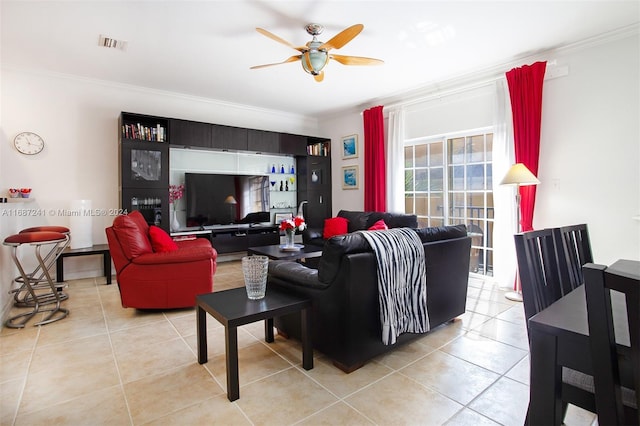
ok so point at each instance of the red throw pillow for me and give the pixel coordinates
(379, 226)
(334, 226)
(160, 240)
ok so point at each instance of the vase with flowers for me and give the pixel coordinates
(290, 226)
(175, 193)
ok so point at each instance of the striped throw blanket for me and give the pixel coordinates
(402, 282)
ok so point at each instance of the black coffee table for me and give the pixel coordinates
(276, 253)
(233, 308)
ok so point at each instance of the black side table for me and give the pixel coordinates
(101, 249)
(233, 308)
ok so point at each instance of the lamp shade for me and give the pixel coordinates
(518, 174)
(230, 200)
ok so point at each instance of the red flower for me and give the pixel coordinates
(175, 192)
(295, 224)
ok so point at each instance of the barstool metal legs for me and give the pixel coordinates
(31, 286)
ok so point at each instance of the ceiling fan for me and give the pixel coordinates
(315, 55)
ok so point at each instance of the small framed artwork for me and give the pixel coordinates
(349, 147)
(279, 217)
(350, 177)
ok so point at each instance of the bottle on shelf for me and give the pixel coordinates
(280, 185)
(273, 168)
(282, 168)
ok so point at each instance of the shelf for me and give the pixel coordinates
(20, 200)
(137, 127)
(320, 149)
(140, 140)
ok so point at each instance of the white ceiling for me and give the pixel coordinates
(205, 48)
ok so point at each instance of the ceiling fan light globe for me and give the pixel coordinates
(314, 62)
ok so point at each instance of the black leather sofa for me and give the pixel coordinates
(344, 291)
(361, 221)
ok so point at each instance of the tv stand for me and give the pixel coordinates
(234, 238)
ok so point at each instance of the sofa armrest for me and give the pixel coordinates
(182, 255)
(295, 273)
(311, 234)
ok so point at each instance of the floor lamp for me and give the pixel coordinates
(518, 175)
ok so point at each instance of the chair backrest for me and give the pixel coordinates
(538, 270)
(573, 251)
(616, 365)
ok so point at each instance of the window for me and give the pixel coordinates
(448, 181)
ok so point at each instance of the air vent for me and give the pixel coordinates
(112, 43)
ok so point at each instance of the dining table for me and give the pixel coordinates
(559, 337)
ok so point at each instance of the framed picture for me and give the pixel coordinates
(279, 217)
(350, 177)
(350, 146)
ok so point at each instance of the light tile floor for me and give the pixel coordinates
(113, 366)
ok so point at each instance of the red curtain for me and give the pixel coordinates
(374, 162)
(525, 91)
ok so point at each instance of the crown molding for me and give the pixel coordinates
(308, 121)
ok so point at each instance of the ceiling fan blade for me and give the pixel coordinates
(356, 60)
(319, 77)
(280, 40)
(291, 59)
(342, 38)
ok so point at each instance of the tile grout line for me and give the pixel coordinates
(26, 377)
(115, 359)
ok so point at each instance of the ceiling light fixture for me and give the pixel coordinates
(111, 43)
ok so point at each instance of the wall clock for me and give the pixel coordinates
(28, 143)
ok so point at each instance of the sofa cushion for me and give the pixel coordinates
(133, 237)
(334, 226)
(437, 233)
(378, 226)
(334, 249)
(160, 240)
(393, 220)
(357, 220)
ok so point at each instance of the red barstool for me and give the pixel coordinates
(32, 284)
(21, 296)
(53, 254)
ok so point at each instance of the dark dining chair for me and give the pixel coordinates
(616, 365)
(541, 286)
(573, 250)
(538, 270)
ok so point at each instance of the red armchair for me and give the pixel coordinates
(153, 271)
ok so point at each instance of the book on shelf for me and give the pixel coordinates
(322, 149)
(141, 132)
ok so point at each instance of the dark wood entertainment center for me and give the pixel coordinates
(144, 163)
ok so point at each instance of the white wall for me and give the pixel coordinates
(590, 148)
(78, 120)
(470, 109)
(335, 128)
(590, 143)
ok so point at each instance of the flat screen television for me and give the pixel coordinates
(223, 199)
